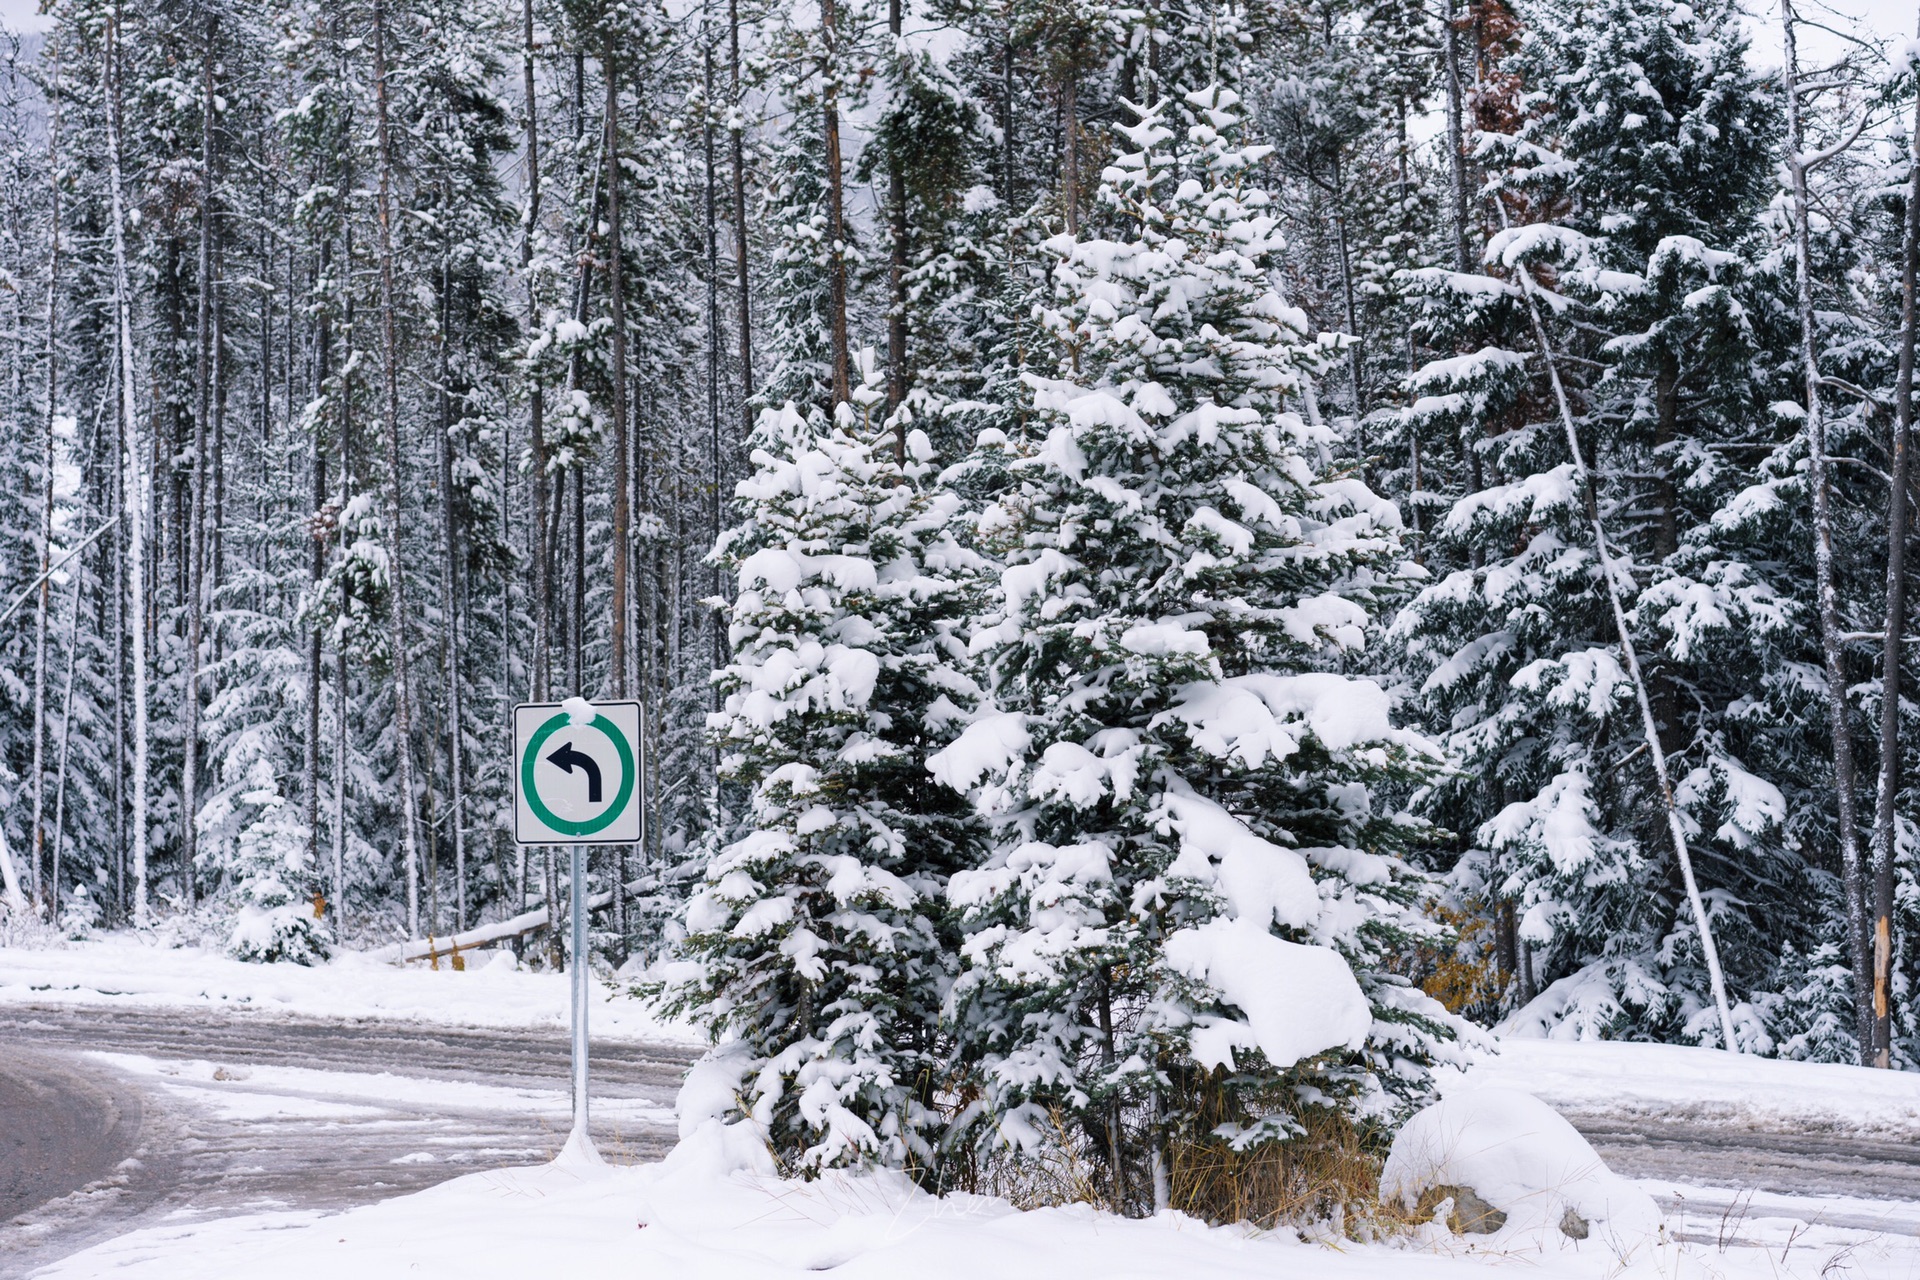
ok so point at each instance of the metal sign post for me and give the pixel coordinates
(576, 783)
(579, 976)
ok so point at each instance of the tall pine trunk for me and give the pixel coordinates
(536, 394)
(1884, 824)
(390, 414)
(450, 608)
(836, 214)
(316, 570)
(197, 517)
(617, 301)
(41, 604)
(66, 752)
(134, 501)
(1070, 136)
(46, 538)
(897, 262)
(541, 549)
(736, 130)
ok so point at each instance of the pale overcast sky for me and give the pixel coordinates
(22, 15)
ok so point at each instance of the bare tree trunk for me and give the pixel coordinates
(117, 575)
(16, 901)
(135, 499)
(66, 746)
(617, 301)
(341, 738)
(1852, 872)
(1070, 135)
(536, 418)
(736, 128)
(197, 519)
(1354, 355)
(316, 570)
(1884, 823)
(536, 394)
(340, 743)
(897, 265)
(390, 411)
(836, 217)
(450, 624)
(716, 632)
(41, 598)
(1116, 1165)
(46, 545)
(1456, 140)
(1007, 124)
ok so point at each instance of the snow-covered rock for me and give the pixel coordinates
(1513, 1168)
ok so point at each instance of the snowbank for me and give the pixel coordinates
(491, 992)
(710, 1213)
(1617, 1078)
(1532, 1182)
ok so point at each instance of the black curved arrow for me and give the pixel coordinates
(566, 757)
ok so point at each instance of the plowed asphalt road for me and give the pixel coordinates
(203, 1120)
(208, 1120)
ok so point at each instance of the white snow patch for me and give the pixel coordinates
(259, 1092)
(1298, 1000)
(1522, 1157)
(126, 969)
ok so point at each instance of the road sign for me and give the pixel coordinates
(576, 772)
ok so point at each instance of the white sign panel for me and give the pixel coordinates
(576, 772)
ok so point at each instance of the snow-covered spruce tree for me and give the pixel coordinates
(1649, 147)
(261, 844)
(1183, 942)
(818, 943)
(796, 211)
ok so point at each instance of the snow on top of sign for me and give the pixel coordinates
(579, 711)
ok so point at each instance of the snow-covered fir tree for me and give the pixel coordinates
(1640, 175)
(820, 948)
(1184, 940)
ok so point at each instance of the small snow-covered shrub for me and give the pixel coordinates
(270, 934)
(79, 914)
(275, 921)
(26, 929)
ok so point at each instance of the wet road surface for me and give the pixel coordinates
(114, 1119)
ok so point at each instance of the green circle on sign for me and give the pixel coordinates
(532, 792)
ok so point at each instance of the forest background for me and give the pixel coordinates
(372, 366)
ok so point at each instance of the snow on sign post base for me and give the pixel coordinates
(576, 771)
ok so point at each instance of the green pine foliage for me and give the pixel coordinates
(818, 943)
(1188, 923)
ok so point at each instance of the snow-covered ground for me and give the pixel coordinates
(491, 992)
(695, 1217)
(709, 1212)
